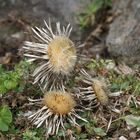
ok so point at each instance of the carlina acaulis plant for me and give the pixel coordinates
(54, 53)
(95, 93)
(58, 107)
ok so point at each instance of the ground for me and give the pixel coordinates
(118, 120)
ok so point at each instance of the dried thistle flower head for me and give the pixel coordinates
(59, 102)
(58, 108)
(55, 54)
(94, 94)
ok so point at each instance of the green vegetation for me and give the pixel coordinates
(87, 17)
(15, 80)
(11, 80)
(92, 128)
(101, 64)
(128, 83)
(133, 121)
(5, 118)
(31, 135)
(125, 82)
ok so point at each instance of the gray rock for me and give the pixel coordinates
(64, 11)
(123, 40)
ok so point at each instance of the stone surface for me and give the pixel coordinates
(123, 40)
(64, 11)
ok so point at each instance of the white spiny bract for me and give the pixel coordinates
(54, 53)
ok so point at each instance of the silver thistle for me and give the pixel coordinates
(55, 54)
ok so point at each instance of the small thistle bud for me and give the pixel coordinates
(56, 55)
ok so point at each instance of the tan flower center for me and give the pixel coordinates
(62, 55)
(59, 102)
(99, 92)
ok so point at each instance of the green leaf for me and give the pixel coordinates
(99, 131)
(5, 118)
(125, 85)
(3, 126)
(10, 84)
(2, 89)
(83, 136)
(133, 120)
(108, 3)
(94, 6)
(67, 125)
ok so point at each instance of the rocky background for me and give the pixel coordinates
(122, 41)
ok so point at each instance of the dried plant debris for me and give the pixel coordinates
(122, 68)
(56, 55)
(6, 59)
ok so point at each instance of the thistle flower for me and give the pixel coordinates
(56, 55)
(96, 93)
(58, 108)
